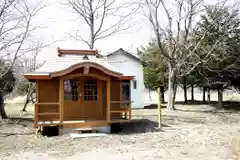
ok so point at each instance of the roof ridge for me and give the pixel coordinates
(76, 51)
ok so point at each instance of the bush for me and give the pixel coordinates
(7, 80)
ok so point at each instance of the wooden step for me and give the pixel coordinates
(84, 130)
(75, 135)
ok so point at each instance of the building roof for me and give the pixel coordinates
(67, 61)
(120, 50)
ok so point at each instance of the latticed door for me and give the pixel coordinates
(92, 98)
(72, 100)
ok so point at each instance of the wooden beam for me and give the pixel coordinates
(83, 64)
(36, 109)
(48, 103)
(35, 116)
(86, 70)
(37, 91)
(78, 52)
(123, 102)
(87, 124)
(36, 77)
(120, 121)
(108, 108)
(48, 113)
(61, 99)
(130, 111)
(126, 78)
(101, 77)
(120, 111)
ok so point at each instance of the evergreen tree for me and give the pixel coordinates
(7, 83)
(222, 39)
(155, 73)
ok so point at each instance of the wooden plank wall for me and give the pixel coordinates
(48, 92)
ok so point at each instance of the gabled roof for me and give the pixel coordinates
(122, 51)
(67, 62)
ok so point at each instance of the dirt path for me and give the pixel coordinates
(186, 135)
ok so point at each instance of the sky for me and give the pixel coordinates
(57, 21)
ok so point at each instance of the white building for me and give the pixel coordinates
(129, 64)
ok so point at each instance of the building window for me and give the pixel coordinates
(134, 84)
(90, 90)
(71, 90)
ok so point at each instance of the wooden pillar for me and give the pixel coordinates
(108, 107)
(36, 110)
(130, 110)
(61, 100)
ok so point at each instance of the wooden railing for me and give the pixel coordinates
(38, 113)
(124, 108)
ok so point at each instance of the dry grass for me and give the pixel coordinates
(184, 130)
(14, 109)
(235, 97)
(235, 150)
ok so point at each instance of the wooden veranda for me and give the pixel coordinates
(86, 94)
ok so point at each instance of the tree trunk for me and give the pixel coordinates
(29, 94)
(192, 92)
(162, 94)
(26, 102)
(172, 87)
(204, 94)
(92, 38)
(149, 94)
(185, 88)
(208, 95)
(220, 97)
(2, 111)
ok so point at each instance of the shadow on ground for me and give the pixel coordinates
(155, 106)
(227, 105)
(21, 119)
(16, 126)
(136, 126)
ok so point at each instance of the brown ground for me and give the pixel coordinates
(192, 132)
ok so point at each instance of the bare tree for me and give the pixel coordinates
(30, 64)
(15, 26)
(173, 38)
(16, 18)
(97, 14)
